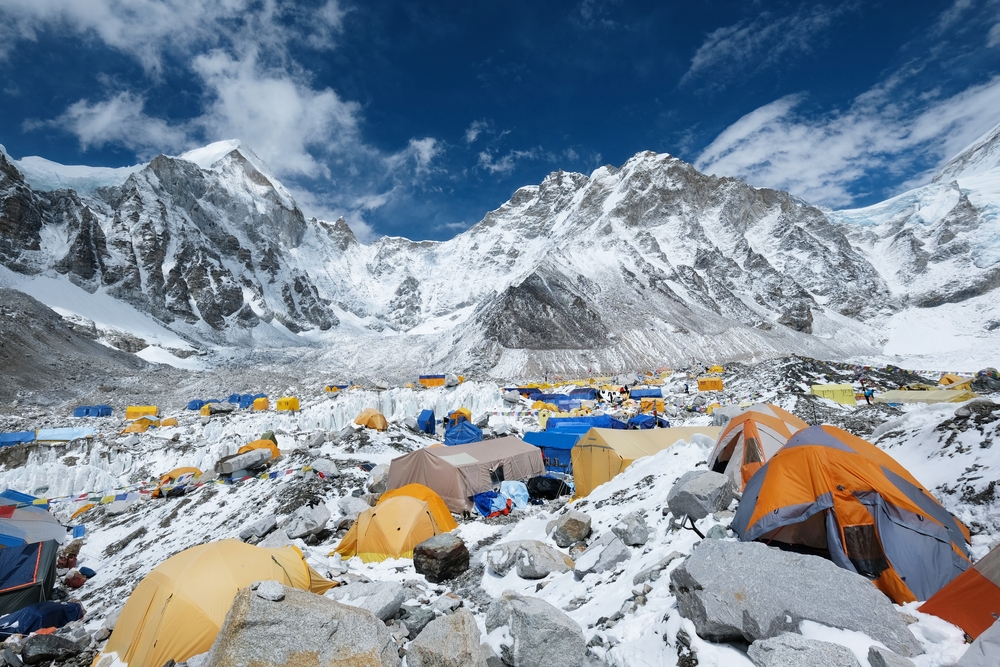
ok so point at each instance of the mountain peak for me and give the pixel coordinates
(206, 156)
(980, 156)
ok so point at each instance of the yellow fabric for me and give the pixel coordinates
(205, 411)
(439, 510)
(83, 509)
(709, 384)
(454, 417)
(177, 609)
(602, 453)
(260, 444)
(840, 393)
(288, 403)
(178, 472)
(169, 421)
(650, 404)
(951, 378)
(331, 389)
(372, 418)
(140, 425)
(136, 411)
(933, 396)
(716, 369)
(538, 405)
(389, 530)
(261, 404)
(432, 382)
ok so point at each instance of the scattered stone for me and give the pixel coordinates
(533, 559)
(270, 590)
(569, 528)
(441, 557)
(307, 521)
(449, 641)
(540, 635)
(415, 619)
(8, 655)
(378, 478)
(259, 528)
(984, 651)
(883, 657)
(111, 620)
(747, 590)
(603, 555)
(316, 440)
(303, 628)
(352, 507)
(447, 603)
(382, 598)
(653, 573)
(45, 648)
(254, 459)
(716, 532)
(632, 529)
(794, 650)
(699, 493)
(327, 467)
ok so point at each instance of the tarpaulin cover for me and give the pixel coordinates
(489, 502)
(82, 411)
(647, 421)
(195, 404)
(596, 421)
(49, 614)
(516, 491)
(652, 392)
(556, 446)
(12, 497)
(64, 434)
(548, 488)
(426, 422)
(462, 434)
(27, 574)
(27, 525)
(16, 437)
(233, 398)
(585, 393)
(92, 411)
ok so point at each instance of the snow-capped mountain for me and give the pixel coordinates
(649, 263)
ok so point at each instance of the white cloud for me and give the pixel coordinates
(824, 158)
(993, 38)
(505, 165)
(474, 130)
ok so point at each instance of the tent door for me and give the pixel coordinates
(865, 551)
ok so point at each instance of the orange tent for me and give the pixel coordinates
(442, 515)
(972, 599)
(750, 439)
(372, 418)
(172, 477)
(391, 529)
(141, 425)
(260, 444)
(169, 421)
(834, 494)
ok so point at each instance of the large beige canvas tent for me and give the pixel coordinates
(457, 473)
(603, 453)
(929, 396)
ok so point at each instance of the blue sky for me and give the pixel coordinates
(416, 118)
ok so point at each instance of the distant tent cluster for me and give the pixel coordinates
(245, 401)
(93, 411)
(198, 404)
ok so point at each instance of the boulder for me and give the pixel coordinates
(306, 521)
(382, 598)
(533, 559)
(749, 591)
(653, 573)
(255, 458)
(270, 590)
(699, 493)
(378, 478)
(259, 528)
(983, 652)
(511, 396)
(327, 467)
(441, 557)
(716, 532)
(411, 423)
(794, 650)
(632, 529)
(301, 629)
(883, 657)
(569, 528)
(449, 641)
(352, 507)
(46, 648)
(415, 619)
(538, 634)
(604, 554)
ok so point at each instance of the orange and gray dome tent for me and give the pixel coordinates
(972, 599)
(831, 493)
(176, 611)
(750, 439)
(260, 444)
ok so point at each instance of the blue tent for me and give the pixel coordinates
(82, 411)
(16, 437)
(462, 434)
(50, 614)
(64, 434)
(652, 392)
(645, 421)
(426, 422)
(597, 421)
(529, 392)
(556, 446)
(212, 400)
(585, 393)
(234, 398)
(196, 404)
(101, 411)
(27, 574)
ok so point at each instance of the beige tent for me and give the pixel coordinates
(603, 453)
(457, 473)
(930, 396)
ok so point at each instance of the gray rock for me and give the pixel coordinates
(270, 590)
(794, 650)
(447, 603)
(533, 559)
(632, 529)
(315, 440)
(259, 528)
(304, 628)
(112, 619)
(307, 521)
(382, 598)
(653, 573)
(699, 493)
(76, 633)
(603, 555)
(255, 458)
(377, 479)
(542, 636)
(45, 648)
(570, 528)
(448, 641)
(415, 619)
(441, 557)
(746, 590)
(352, 507)
(883, 657)
(984, 651)
(8, 655)
(716, 532)
(511, 396)
(411, 423)
(327, 467)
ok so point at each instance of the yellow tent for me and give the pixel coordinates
(459, 415)
(952, 381)
(390, 530)
(140, 425)
(650, 404)
(177, 609)
(169, 421)
(136, 411)
(709, 384)
(260, 444)
(716, 369)
(840, 393)
(372, 418)
(205, 411)
(442, 515)
(602, 453)
(932, 396)
(172, 477)
(288, 403)
(261, 404)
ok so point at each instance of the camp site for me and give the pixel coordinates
(383, 498)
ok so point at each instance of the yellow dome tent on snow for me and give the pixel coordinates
(176, 611)
(439, 509)
(391, 529)
(260, 444)
(372, 418)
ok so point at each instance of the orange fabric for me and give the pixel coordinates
(442, 515)
(83, 509)
(45, 631)
(970, 601)
(781, 426)
(260, 444)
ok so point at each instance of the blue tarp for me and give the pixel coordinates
(556, 446)
(92, 411)
(234, 398)
(19, 565)
(645, 421)
(488, 502)
(246, 400)
(653, 392)
(82, 411)
(16, 437)
(196, 404)
(585, 393)
(597, 421)
(462, 434)
(517, 492)
(426, 422)
(64, 434)
(51, 614)
(530, 392)
(12, 497)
